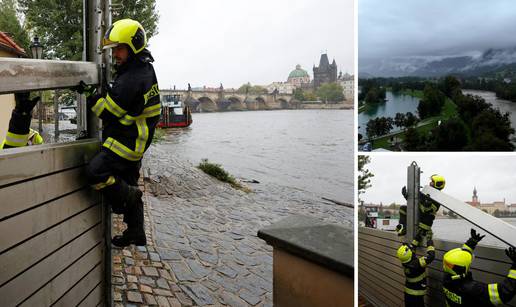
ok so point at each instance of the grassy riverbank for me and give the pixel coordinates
(217, 171)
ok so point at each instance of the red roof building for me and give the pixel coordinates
(8, 45)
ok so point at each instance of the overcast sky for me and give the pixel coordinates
(434, 27)
(494, 176)
(205, 42)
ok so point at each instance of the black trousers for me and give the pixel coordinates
(126, 173)
(414, 300)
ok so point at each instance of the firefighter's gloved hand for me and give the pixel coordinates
(429, 243)
(24, 104)
(400, 229)
(83, 88)
(476, 236)
(404, 192)
(511, 253)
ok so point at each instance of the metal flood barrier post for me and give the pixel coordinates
(54, 230)
(381, 278)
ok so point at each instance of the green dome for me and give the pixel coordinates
(298, 73)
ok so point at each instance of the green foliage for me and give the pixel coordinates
(450, 86)
(299, 95)
(310, 96)
(251, 89)
(59, 24)
(143, 11)
(451, 135)
(330, 92)
(364, 175)
(379, 126)
(216, 170)
(432, 102)
(10, 23)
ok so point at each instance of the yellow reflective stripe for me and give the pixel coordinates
(2, 144)
(512, 274)
(121, 150)
(151, 111)
(466, 247)
(415, 242)
(110, 181)
(415, 292)
(424, 226)
(422, 262)
(143, 135)
(494, 297)
(16, 140)
(154, 91)
(403, 211)
(430, 248)
(113, 107)
(417, 278)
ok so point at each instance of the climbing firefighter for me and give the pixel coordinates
(427, 212)
(19, 133)
(459, 287)
(129, 110)
(415, 272)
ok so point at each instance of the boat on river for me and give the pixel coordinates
(174, 113)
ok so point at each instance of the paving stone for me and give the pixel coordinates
(226, 270)
(232, 300)
(162, 283)
(162, 301)
(129, 261)
(141, 248)
(187, 254)
(145, 288)
(198, 293)
(150, 271)
(182, 272)
(162, 292)
(211, 258)
(174, 302)
(198, 269)
(167, 254)
(127, 253)
(132, 278)
(147, 280)
(184, 299)
(117, 296)
(134, 297)
(165, 274)
(154, 257)
(210, 285)
(249, 297)
(149, 299)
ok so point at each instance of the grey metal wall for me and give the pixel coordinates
(51, 229)
(380, 275)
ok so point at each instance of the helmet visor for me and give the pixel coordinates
(106, 43)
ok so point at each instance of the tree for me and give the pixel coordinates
(310, 96)
(59, 24)
(432, 102)
(410, 120)
(379, 126)
(364, 175)
(412, 140)
(299, 95)
(330, 92)
(450, 85)
(449, 136)
(399, 120)
(10, 23)
(251, 89)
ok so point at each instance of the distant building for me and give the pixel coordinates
(280, 87)
(325, 72)
(347, 82)
(298, 77)
(488, 207)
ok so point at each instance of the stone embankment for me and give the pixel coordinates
(203, 248)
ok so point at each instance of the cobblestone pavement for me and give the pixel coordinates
(204, 249)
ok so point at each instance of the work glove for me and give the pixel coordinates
(429, 242)
(474, 239)
(24, 105)
(404, 192)
(83, 88)
(511, 253)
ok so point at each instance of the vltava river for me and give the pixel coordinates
(302, 153)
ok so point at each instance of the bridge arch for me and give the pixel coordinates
(284, 104)
(262, 105)
(207, 105)
(193, 104)
(236, 104)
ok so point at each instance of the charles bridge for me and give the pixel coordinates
(209, 100)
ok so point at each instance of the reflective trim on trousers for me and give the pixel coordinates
(494, 297)
(512, 274)
(415, 292)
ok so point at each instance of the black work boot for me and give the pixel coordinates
(130, 237)
(133, 216)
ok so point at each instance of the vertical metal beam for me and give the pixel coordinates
(93, 54)
(56, 116)
(413, 186)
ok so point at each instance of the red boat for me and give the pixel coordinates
(173, 113)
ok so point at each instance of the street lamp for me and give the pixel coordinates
(36, 49)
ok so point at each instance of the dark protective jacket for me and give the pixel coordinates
(427, 211)
(464, 291)
(19, 128)
(415, 272)
(131, 108)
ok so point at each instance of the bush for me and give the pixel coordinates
(216, 170)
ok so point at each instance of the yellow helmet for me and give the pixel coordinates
(126, 31)
(437, 181)
(404, 253)
(457, 261)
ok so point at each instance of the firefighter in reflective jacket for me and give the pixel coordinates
(459, 287)
(129, 111)
(415, 272)
(427, 212)
(19, 133)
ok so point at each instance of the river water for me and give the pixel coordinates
(459, 230)
(502, 105)
(302, 153)
(395, 103)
